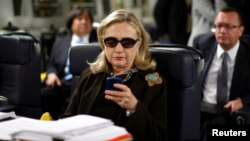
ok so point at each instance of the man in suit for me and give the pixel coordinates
(216, 107)
(58, 81)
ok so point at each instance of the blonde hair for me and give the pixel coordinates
(143, 58)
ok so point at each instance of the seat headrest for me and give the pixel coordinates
(86, 53)
(13, 51)
(178, 64)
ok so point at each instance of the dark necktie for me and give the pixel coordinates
(222, 87)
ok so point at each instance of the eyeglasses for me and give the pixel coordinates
(226, 26)
(125, 42)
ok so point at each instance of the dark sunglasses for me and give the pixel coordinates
(125, 42)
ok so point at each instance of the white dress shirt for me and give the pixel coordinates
(76, 40)
(210, 85)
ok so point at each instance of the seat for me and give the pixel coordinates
(20, 67)
(89, 53)
(181, 67)
(47, 40)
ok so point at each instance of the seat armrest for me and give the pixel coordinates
(242, 116)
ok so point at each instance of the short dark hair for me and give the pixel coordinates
(75, 13)
(231, 9)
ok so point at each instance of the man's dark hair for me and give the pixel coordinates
(74, 14)
(231, 9)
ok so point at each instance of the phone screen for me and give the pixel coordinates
(110, 81)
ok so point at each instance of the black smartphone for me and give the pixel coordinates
(110, 81)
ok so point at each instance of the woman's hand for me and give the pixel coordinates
(124, 98)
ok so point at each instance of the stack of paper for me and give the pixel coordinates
(7, 116)
(80, 127)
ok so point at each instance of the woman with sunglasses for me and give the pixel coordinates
(138, 101)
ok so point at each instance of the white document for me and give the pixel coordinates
(4, 116)
(45, 130)
(109, 133)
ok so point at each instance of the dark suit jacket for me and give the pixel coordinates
(149, 120)
(59, 53)
(240, 86)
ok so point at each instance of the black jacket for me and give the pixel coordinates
(149, 120)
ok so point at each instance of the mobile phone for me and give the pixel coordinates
(110, 81)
